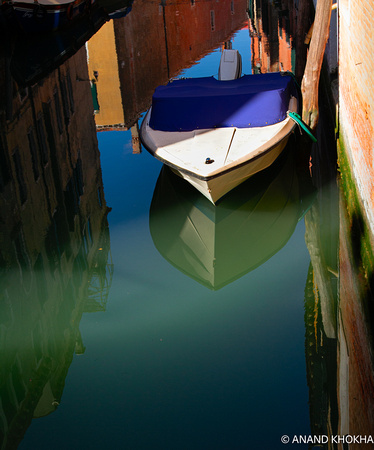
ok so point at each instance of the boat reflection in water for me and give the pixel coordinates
(216, 245)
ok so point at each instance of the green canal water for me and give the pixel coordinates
(164, 322)
(172, 363)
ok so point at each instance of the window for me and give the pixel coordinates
(42, 139)
(19, 176)
(34, 153)
(100, 197)
(71, 198)
(50, 132)
(5, 176)
(89, 231)
(78, 176)
(212, 21)
(65, 101)
(70, 93)
(58, 111)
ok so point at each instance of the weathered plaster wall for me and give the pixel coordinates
(356, 95)
(356, 263)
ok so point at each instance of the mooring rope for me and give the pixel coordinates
(296, 118)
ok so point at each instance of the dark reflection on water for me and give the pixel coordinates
(54, 239)
(337, 305)
(170, 364)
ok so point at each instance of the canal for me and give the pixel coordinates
(136, 315)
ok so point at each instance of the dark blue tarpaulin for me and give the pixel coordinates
(196, 103)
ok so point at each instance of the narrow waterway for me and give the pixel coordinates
(136, 315)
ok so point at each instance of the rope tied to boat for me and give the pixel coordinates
(297, 119)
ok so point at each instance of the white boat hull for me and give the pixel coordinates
(215, 188)
(234, 154)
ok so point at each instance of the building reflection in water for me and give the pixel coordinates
(129, 58)
(272, 32)
(54, 240)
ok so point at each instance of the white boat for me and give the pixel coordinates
(217, 133)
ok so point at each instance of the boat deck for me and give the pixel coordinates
(227, 147)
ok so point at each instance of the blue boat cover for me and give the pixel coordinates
(198, 103)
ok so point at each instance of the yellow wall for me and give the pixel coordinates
(102, 58)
